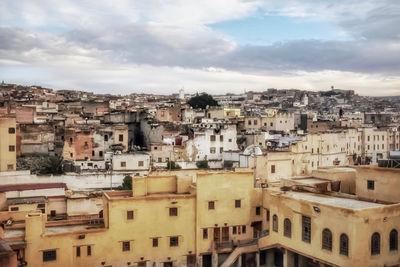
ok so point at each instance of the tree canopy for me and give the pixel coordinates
(126, 183)
(202, 101)
(51, 165)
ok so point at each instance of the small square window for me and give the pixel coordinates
(141, 163)
(126, 246)
(11, 148)
(49, 255)
(238, 203)
(11, 130)
(211, 205)
(173, 211)
(129, 215)
(370, 185)
(123, 164)
(155, 242)
(10, 167)
(173, 241)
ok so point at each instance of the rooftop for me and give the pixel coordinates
(26, 200)
(346, 203)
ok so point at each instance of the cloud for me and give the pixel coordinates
(106, 41)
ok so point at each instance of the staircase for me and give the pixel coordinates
(237, 252)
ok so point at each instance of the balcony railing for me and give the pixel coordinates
(224, 245)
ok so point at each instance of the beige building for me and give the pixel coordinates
(8, 151)
(189, 218)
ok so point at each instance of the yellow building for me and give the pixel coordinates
(189, 218)
(8, 154)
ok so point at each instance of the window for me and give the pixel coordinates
(327, 239)
(105, 138)
(41, 205)
(155, 242)
(221, 138)
(49, 255)
(11, 148)
(230, 140)
(129, 215)
(393, 240)
(368, 138)
(212, 150)
(92, 153)
(238, 203)
(221, 150)
(267, 215)
(70, 139)
(14, 209)
(211, 205)
(234, 230)
(287, 228)
(375, 244)
(212, 137)
(205, 233)
(78, 251)
(121, 138)
(255, 122)
(173, 241)
(243, 229)
(275, 223)
(271, 124)
(344, 245)
(100, 153)
(258, 210)
(370, 185)
(272, 168)
(123, 164)
(173, 211)
(249, 122)
(11, 130)
(306, 229)
(159, 159)
(140, 163)
(126, 246)
(89, 250)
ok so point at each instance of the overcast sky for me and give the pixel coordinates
(218, 46)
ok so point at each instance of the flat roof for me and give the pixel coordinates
(346, 203)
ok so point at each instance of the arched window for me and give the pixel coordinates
(287, 228)
(375, 244)
(344, 245)
(275, 223)
(393, 240)
(327, 239)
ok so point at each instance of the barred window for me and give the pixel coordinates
(327, 239)
(375, 244)
(287, 228)
(344, 245)
(393, 240)
(306, 229)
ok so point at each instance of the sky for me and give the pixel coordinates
(215, 46)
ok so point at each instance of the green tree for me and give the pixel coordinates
(51, 165)
(202, 101)
(126, 183)
(202, 164)
(172, 165)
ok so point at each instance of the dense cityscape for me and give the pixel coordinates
(263, 178)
